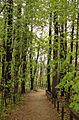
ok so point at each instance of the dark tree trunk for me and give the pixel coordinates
(71, 45)
(65, 45)
(49, 55)
(41, 70)
(31, 59)
(55, 55)
(22, 87)
(77, 44)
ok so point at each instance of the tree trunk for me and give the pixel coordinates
(17, 51)
(49, 55)
(55, 56)
(8, 47)
(62, 55)
(31, 59)
(77, 44)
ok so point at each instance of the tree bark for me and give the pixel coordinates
(49, 55)
(8, 47)
(55, 55)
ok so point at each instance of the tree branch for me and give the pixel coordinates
(2, 8)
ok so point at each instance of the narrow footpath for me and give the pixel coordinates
(35, 107)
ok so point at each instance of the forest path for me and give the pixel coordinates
(34, 107)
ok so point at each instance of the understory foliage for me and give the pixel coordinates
(39, 47)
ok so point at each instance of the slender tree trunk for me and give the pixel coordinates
(77, 44)
(71, 45)
(62, 54)
(31, 59)
(36, 62)
(65, 45)
(23, 73)
(71, 57)
(3, 55)
(40, 77)
(49, 55)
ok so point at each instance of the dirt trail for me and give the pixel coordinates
(35, 107)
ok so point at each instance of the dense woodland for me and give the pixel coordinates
(39, 48)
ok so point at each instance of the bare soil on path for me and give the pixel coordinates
(34, 107)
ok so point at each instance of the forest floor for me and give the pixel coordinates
(35, 106)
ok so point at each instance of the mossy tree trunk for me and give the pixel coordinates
(9, 49)
(17, 52)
